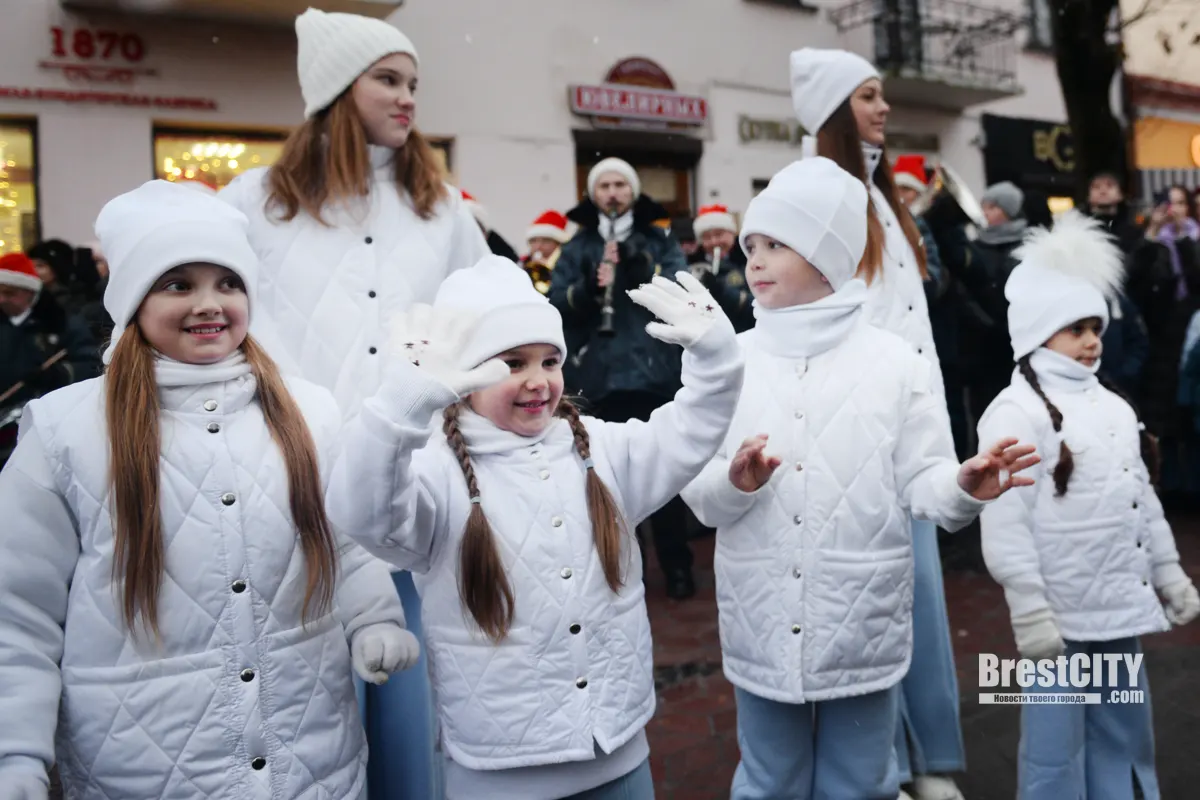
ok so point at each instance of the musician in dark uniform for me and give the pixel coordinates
(720, 263)
(545, 238)
(621, 371)
(34, 330)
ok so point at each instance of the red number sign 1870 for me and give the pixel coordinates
(104, 45)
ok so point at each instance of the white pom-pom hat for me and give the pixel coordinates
(1071, 272)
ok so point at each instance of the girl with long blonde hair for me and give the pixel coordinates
(179, 609)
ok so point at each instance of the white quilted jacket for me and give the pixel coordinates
(576, 667)
(1095, 555)
(815, 569)
(236, 677)
(327, 292)
(896, 299)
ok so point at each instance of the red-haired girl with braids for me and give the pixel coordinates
(1083, 554)
(518, 524)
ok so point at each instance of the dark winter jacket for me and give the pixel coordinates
(1150, 281)
(1126, 347)
(500, 247)
(1158, 398)
(631, 360)
(46, 331)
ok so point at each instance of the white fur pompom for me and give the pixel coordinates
(1077, 245)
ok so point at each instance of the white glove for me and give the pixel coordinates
(1038, 636)
(432, 341)
(381, 649)
(687, 309)
(1183, 602)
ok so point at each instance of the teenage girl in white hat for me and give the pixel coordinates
(519, 521)
(1084, 555)
(839, 435)
(838, 98)
(180, 617)
(353, 225)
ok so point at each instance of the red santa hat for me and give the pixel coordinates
(715, 217)
(16, 269)
(549, 225)
(909, 172)
(477, 209)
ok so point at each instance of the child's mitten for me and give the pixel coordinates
(688, 312)
(1037, 635)
(432, 340)
(1183, 602)
(381, 649)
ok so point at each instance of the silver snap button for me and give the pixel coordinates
(797, 519)
(214, 427)
(799, 415)
(544, 475)
(258, 763)
(247, 675)
(229, 498)
(210, 405)
(238, 586)
(557, 522)
(565, 573)
(796, 572)
(799, 467)
(796, 629)
(576, 628)
(581, 683)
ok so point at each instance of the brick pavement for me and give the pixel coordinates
(693, 739)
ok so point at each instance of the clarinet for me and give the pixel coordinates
(606, 310)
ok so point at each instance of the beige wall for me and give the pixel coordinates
(1144, 53)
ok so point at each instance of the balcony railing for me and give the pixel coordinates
(947, 53)
(269, 12)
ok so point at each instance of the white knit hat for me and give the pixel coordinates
(819, 210)
(159, 226)
(1066, 274)
(511, 312)
(619, 166)
(824, 79)
(334, 49)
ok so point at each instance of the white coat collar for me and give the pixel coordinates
(484, 438)
(810, 329)
(1056, 371)
(220, 388)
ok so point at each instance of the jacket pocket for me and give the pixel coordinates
(859, 610)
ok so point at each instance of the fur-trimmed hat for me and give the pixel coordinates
(549, 225)
(715, 217)
(1068, 273)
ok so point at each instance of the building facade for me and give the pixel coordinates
(521, 97)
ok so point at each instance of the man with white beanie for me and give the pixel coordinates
(622, 372)
(839, 435)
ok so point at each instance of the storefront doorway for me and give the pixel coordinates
(665, 163)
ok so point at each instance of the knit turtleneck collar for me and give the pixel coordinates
(1056, 371)
(484, 437)
(808, 330)
(381, 157)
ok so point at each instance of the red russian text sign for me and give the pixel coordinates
(634, 103)
(86, 44)
(108, 98)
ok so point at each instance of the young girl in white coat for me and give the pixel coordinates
(518, 525)
(838, 97)
(178, 611)
(353, 224)
(814, 559)
(1081, 554)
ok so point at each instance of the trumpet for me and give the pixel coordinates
(606, 310)
(539, 270)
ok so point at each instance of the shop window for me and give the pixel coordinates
(1041, 35)
(211, 157)
(19, 228)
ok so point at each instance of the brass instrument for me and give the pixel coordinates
(539, 271)
(946, 180)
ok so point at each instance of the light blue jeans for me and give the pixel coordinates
(828, 750)
(1092, 751)
(636, 785)
(400, 722)
(929, 734)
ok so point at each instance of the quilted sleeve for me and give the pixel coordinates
(713, 498)
(1007, 522)
(39, 548)
(385, 492)
(653, 461)
(365, 592)
(467, 246)
(1164, 557)
(924, 460)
